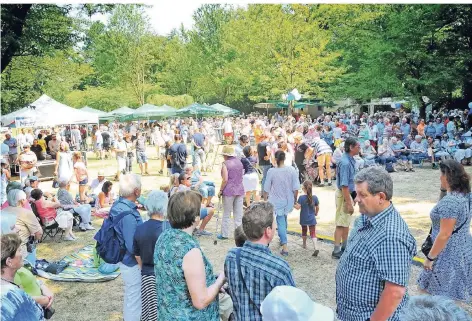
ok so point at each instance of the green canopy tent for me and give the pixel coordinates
(225, 109)
(195, 110)
(117, 113)
(150, 112)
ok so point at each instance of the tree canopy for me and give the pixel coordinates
(236, 56)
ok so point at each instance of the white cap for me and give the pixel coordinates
(289, 303)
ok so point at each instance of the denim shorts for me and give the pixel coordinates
(203, 212)
(83, 182)
(141, 157)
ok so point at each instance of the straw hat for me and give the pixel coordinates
(228, 150)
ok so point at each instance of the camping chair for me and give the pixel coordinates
(76, 218)
(50, 230)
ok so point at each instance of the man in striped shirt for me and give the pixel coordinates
(323, 154)
(253, 271)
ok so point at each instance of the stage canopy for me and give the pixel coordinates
(46, 111)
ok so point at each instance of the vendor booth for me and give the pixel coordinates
(47, 112)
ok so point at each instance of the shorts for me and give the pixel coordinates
(141, 157)
(83, 182)
(98, 146)
(203, 212)
(161, 154)
(342, 219)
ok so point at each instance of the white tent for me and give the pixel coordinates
(45, 111)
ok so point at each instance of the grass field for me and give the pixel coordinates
(415, 194)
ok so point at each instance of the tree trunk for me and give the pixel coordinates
(13, 20)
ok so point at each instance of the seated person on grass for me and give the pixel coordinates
(206, 213)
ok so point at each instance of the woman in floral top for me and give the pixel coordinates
(186, 285)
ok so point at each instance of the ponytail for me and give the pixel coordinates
(308, 185)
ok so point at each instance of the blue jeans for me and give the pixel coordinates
(132, 292)
(84, 210)
(383, 160)
(265, 169)
(282, 228)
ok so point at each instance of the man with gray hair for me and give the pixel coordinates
(418, 149)
(68, 203)
(126, 217)
(373, 273)
(433, 308)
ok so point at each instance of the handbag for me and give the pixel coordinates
(428, 243)
(55, 183)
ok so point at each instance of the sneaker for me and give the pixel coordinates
(90, 227)
(321, 185)
(68, 238)
(161, 172)
(82, 227)
(203, 233)
(316, 253)
(330, 183)
(221, 237)
(284, 253)
(336, 255)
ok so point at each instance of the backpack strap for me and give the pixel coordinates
(238, 263)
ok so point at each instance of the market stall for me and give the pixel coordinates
(47, 112)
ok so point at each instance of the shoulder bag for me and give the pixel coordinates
(428, 243)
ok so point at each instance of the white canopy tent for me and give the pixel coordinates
(46, 111)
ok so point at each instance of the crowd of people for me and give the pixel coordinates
(267, 162)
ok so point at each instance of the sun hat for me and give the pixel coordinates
(228, 150)
(101, 173)
(290, 303)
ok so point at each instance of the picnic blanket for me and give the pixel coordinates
(81, 269)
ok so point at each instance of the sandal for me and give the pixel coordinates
(284, 253)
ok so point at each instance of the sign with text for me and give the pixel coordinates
(24, 122)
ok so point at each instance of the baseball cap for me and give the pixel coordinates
(33, 178)
(101, 173)
(26, 145)
(289, 303)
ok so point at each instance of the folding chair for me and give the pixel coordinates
(50, 230)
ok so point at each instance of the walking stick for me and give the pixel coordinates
(218, 212)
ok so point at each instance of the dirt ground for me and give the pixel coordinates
(415, 194)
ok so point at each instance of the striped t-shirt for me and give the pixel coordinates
(321, 147)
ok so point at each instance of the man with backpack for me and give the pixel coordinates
(115, 243)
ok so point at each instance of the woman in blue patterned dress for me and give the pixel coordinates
(448, 267)
(186, 286)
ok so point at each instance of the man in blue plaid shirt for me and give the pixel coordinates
(259, 270)
(373, 273)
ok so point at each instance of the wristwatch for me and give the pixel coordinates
(432, 260)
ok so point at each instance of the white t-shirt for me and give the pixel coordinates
(96, 186)
(227, 127)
